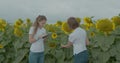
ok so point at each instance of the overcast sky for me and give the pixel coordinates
(57, 9)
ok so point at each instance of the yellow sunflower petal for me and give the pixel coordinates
(18, 32)
(102, 26)
(1, 46)
(54, 35)
(66, 28)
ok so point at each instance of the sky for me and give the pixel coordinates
(56, 10)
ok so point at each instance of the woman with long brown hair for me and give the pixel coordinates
(36, 39)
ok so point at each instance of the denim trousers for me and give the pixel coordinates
(81, 57)
(36, 57)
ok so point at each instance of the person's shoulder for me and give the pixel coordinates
(72, 34)
(32, 27)
(43, 29)
(82, 29)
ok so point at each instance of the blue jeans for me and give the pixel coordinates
(36, 57)
(82, 57)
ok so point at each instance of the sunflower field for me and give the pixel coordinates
(104, 36)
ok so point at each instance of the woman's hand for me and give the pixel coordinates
(44, 36)
(40, 37)
(68, 45)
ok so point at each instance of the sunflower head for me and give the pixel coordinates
(92, 34)
(18, 32)
(28, 21)
(78, 20)
(18, 23)
(2, 29)
(87, 20)
(54, 35)
(66, 28)
(116, 20)
(52, 45)
(87, 27)
(1, 46)
(58, 23)
(105, 25)
(3, 23)
(50, 27)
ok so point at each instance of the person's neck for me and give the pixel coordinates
(40, 27)
(75, 28)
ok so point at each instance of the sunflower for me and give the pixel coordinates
(116, 20)
(18, 23)
(2, 29)
(3, 24)
(18, 32)
(54, 35)
(1, 46)
(66, 28)
(88, 23)
(105, 25)
(78, 20)
(92, 34)
(58, 23)
(28, 21)
(52, 44)
(88, 20)
(87, 27)
(50, 27)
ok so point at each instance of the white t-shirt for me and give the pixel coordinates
(78, 38)
(37, 46)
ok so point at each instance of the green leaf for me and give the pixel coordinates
(2, 50)
(104, 57)
(118, 57)
(60, 56)
(20, 55)
(18, 44)
(1, 58)
(95, 53)
(49, 58)
(105, 42)
(112, 51)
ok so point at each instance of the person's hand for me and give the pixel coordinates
(63, 46)
(45, 36)
(40, 37)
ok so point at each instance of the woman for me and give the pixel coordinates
(78, 38)
(36, 39)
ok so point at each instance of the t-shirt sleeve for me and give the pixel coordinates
(31, 30)
(71, 38)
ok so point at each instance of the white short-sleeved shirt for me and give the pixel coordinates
(78, 38)
(37, 46)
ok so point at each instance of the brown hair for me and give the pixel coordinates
(72, 22)
(36, 23)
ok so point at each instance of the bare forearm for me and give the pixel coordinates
(69, 44)
(32, 40)
(87, 41)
